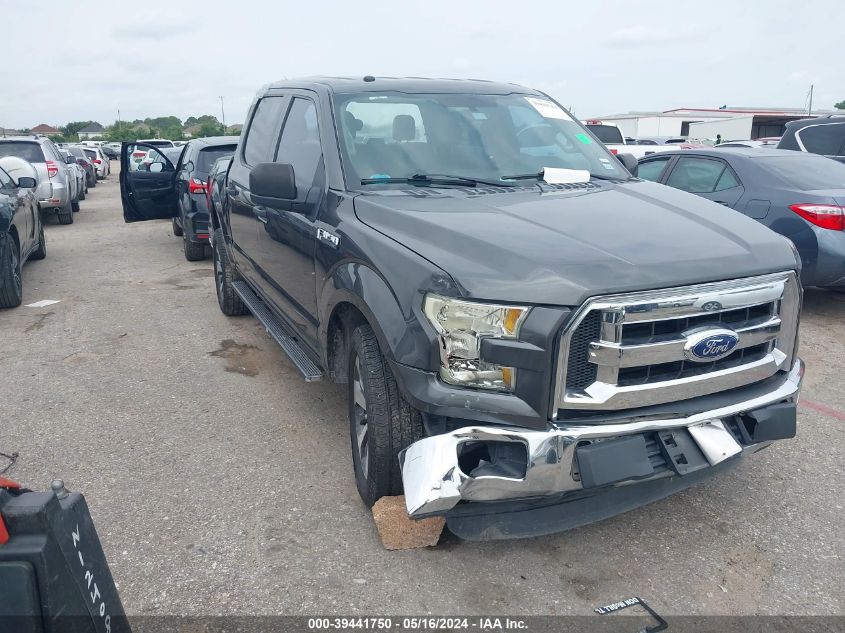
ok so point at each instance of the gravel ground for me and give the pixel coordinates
(220, 482)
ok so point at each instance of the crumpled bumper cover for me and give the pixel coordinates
(435, 483)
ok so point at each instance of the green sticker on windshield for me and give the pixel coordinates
(586, 140)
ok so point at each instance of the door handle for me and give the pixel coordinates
(723, 203)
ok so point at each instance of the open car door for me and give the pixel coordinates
(147, 183)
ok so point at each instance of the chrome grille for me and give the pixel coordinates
(630, 350)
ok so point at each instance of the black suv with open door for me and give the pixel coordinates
(192, 170)
(530, 338)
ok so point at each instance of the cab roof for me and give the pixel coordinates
(402, 84)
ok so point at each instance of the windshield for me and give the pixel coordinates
(806, 171)
(29, 151)
(481, 137)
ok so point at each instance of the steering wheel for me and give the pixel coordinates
(532, 127)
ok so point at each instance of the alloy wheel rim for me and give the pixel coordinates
(16, 269)
(362, 436)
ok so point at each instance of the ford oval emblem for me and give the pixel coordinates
(705, 346)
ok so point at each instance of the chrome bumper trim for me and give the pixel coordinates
(434, 482)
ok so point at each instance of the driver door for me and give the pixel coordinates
(147, 184)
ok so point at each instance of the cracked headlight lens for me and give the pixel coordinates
(461, 325)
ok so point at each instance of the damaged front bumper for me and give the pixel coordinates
(494, 464)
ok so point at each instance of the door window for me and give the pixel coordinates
(300, 143)
(261, 136)
(699, 175)
(651, 170)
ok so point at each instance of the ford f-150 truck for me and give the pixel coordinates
(530, 338)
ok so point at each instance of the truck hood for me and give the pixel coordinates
(566, 243)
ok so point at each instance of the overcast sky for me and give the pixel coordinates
(80, 60)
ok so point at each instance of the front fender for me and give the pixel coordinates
(396, 322)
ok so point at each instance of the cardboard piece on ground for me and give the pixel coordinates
(398, 531)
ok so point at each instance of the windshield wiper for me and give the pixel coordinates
(427, 180)
(540, 175)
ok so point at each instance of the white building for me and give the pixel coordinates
(730, 123)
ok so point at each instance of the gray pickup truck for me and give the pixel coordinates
(530, 338)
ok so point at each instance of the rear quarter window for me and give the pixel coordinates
(826, 139)
(30, 152)
(806, 172)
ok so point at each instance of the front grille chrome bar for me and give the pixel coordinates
(635, 354)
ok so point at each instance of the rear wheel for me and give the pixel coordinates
(11, 286)
(381, 421)
(193, 252)
(66, 214)
(225, 275)
(74, 205)
(177, 230)
(83, 188)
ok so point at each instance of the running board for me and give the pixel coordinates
(282, 335)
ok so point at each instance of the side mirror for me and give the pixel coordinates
(270, 182)
(25, 182)
(156, 167)
(70, 160)
(629, 161)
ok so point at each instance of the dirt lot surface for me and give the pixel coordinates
(220, 482)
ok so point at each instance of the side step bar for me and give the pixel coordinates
(282, 335)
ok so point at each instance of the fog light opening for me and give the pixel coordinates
(493, 459)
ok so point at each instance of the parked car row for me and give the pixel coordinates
(530, 338)
(38, 179)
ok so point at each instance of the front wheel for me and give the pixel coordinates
(11, 286)
(381, 421)
(177, 230)
(41, 251)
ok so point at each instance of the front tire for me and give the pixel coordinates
(11, 285)
(177, 230)
(225, 275)
(381, 421)
(41, 251)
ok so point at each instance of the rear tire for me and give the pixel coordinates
(11, 286)
(74, 205)
(193, 252)
(66, 214)
(41, 251)
(177, 230)
(381, 421)
(224, 276)
(83, 191)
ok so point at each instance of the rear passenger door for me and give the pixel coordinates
(288, 236)
(710, 178)
(653, 168)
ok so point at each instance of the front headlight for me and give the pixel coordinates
(461, 325)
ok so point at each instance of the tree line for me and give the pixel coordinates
(169, 127)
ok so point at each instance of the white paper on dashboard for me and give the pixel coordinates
(548, 109)
(560, 176)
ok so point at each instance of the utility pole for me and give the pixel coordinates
(810, 109)
(223, 115)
